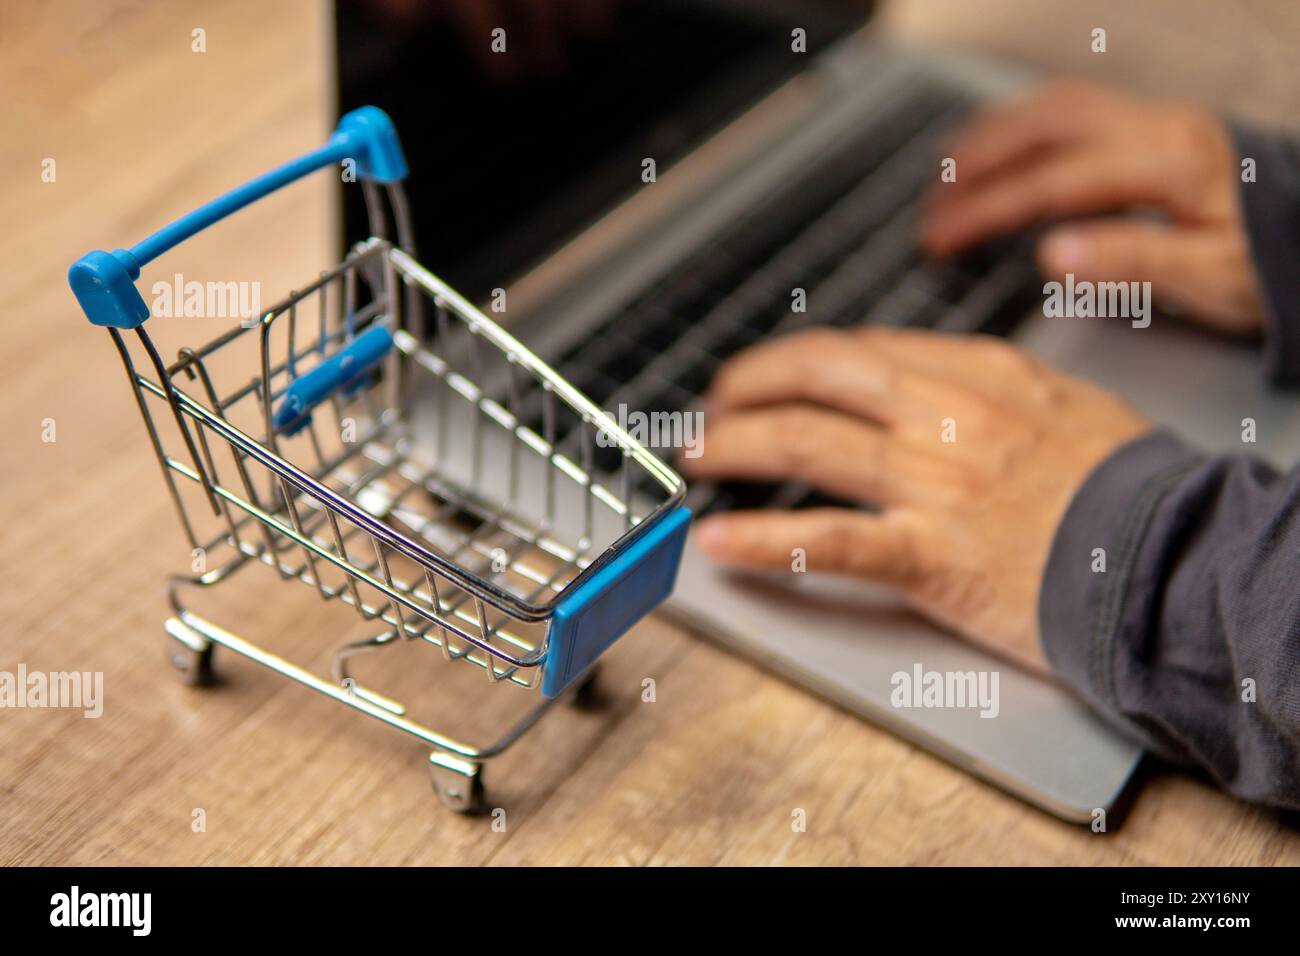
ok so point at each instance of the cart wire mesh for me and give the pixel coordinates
(379, 440)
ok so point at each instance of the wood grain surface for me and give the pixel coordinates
(712, 771)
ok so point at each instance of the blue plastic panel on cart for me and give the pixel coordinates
(588, 621)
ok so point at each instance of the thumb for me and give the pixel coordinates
(879, 547)
(1205, 273)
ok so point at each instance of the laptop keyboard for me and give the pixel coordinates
(845, 233)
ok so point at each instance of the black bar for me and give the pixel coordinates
(354, 908)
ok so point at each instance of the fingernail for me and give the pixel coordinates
(1065, 251)
(711, 535)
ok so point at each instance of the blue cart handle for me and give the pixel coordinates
(341, 371)
(104, 282)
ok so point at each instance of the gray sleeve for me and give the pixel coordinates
(1271, 206)
(1189, 639)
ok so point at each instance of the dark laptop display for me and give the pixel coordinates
(513, 153)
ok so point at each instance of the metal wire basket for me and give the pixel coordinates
(393, 449)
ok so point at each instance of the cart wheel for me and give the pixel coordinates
(586, 693)
(193, 664)
(458, 783)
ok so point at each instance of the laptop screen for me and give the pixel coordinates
(512, 151)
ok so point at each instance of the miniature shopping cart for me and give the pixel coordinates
(378, 439)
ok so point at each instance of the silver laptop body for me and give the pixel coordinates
(844, 640)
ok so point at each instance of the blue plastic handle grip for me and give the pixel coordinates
(345, 367)
(602, 609)
(104, 282)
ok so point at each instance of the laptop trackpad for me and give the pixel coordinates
(1200, 385)
(851, 644)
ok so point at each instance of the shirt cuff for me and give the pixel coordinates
(1271, 210)
(1093, 569)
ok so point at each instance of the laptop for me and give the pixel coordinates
(773, 168)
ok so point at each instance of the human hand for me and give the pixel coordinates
(1074, 149)
(965, 525)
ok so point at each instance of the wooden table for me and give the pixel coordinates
(142, 128)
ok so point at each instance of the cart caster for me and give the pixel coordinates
(458, 783)
(192, 659)
(586, 693)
